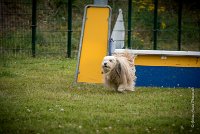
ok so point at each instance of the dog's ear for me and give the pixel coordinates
(118, 68)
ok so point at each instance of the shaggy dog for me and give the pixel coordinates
(119, 72)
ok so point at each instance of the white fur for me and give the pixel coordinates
(119, 72)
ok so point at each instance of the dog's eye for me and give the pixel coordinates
(110, 60)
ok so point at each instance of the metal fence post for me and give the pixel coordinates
(69, 28)
(179, 23)
(129, 22)
(155, 29)
(34, 5)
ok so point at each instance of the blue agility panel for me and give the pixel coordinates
(164, 76)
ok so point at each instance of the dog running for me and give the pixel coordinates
(119, 72)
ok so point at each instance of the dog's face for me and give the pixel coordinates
(108, 63)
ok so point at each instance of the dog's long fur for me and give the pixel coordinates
(119, 72)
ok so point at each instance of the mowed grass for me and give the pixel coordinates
(37, 95)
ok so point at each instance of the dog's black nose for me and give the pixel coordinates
(105, 64)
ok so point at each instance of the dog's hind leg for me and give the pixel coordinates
(131, 87)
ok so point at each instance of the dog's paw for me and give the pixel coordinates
(130, 89)
(120, 89)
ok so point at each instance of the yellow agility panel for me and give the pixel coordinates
(164, 58)
(94, 44)
(175, 61)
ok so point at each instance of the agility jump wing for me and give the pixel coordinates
(93, 43)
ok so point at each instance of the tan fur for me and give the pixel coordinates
(119, 72)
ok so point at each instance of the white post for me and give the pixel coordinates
(118, 33)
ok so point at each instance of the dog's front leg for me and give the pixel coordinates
(121, 88)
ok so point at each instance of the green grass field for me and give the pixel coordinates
(38, 96)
